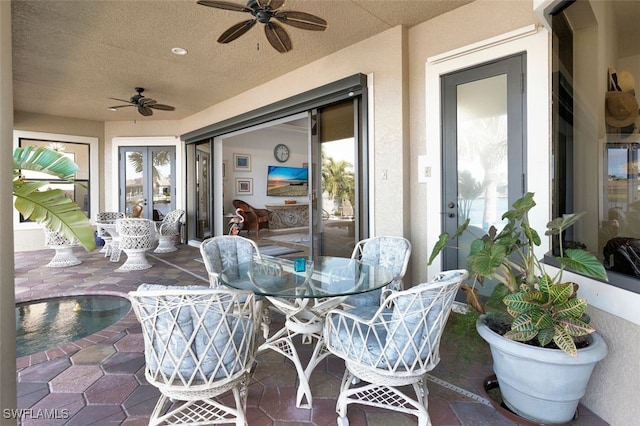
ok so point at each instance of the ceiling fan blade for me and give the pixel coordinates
(305, 21)
(121, 100)
(236, 31)
(278, 37)
(161, 107)
(224, 5)
(145, 110)
(119, 106)
(273, 4)
(147, 101)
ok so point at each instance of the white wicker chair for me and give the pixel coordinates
(64, 249)
(137, 236)
(107, 218)
(199, 344)
(391, 346)
(167, 230)
(228, 251)
(392, 253)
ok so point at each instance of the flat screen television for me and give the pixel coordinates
(285, 181)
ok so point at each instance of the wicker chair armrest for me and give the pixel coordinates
(349, 315)
(168, 228)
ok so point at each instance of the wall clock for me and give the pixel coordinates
(281, 152)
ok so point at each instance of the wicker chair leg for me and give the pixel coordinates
(105, 248)
(64, 257)
(341, 403)
(136, 260)
(165, 244)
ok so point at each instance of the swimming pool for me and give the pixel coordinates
(45, 324)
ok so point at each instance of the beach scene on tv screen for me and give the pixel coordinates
(287, 181)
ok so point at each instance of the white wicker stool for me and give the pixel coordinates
(64, 249)
(136, 237)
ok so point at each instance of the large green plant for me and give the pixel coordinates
(49, 207)
(541, 307)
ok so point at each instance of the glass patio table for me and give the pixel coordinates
(304, 290)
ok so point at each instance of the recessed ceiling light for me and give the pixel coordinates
(112, 109)
(179, 51)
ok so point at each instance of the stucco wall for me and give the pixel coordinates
(613, 390)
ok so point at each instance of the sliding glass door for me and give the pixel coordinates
(338, 159)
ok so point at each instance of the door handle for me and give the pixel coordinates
(451, 205)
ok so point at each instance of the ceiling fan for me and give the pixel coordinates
(263, 11)
(145, 105)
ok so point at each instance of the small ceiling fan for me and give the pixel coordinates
(263, 11)
(145, 105)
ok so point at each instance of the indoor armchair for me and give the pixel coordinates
(254, 219)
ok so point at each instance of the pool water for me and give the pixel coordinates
(45, 324)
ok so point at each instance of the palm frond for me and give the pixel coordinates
(43, 160)
(50, 207)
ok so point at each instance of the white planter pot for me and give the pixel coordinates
(539, 384)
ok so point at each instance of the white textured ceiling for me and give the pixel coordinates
(71, 56)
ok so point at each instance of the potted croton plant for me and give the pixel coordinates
(543, 347)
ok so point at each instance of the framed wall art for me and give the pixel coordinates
(242, 162)
(244, 186)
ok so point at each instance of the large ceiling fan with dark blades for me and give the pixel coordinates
(144, 105)
(264, 11)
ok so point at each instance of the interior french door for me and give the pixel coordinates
(483, 113)
(147, 181)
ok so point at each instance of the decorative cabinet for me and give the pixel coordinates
(285, 216)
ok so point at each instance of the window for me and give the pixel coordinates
(82, 150)
(595, 131)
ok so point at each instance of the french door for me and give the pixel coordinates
(147, 180)
(483, 113)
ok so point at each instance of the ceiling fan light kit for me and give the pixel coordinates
(263, 11)
(144, 105)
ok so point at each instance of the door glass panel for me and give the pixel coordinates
(335, 203)
(161, 183)
(338, 197)
(482, 151)
(203, 198)
(482, 154)
(135, 201)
